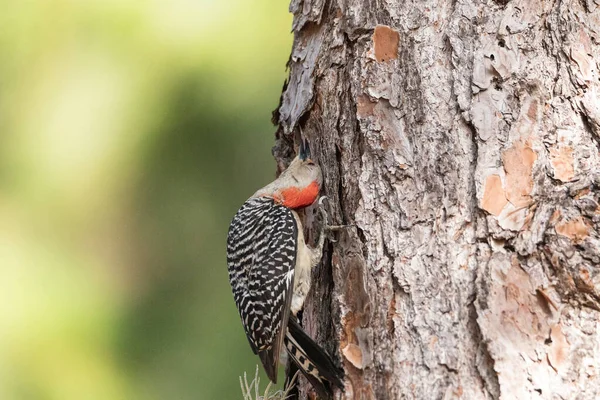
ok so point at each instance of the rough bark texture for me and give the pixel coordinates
(462, 138)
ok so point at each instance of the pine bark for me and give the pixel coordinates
(462, 139)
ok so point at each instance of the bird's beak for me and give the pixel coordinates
(304, 150)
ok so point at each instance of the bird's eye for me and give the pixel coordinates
(311, 163)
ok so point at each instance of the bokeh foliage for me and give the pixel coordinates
(131, 131)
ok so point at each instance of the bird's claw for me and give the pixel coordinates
(326, 228)
(335, 228)
(322, 210)
(321, 199)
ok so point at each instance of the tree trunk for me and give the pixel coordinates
(462, 138)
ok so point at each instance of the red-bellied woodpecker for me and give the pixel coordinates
(269, 271)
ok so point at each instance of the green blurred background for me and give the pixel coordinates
(131, 131)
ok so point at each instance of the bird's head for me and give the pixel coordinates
(299, 185)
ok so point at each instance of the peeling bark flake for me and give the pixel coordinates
(576, 229)
(493, 200)
(559, 349)
(518, 164)
(562, 161)
(385, 41)
(353, 354)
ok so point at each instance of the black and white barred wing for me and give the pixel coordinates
(261, 257)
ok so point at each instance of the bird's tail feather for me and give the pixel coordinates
(314, 363)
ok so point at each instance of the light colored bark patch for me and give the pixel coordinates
(516, 326)
(385, 42)
(353, 353)
(518, 163)
(579, 53)
(351, 345)
(493, 200)
(562, 161)
(575, 229)
(559, 350)
(513, 218)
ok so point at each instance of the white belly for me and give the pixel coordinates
(302, 271)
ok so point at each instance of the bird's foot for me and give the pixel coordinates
(327, 229)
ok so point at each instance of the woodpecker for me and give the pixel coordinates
(269, 267)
